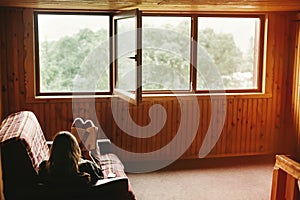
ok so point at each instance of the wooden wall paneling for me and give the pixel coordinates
(272, 50)
(188, 131)
(16, 66)
(234, 126)
(53, 119)
(222, 138)
(121, 135)
(105, 107)
(228, 124)
(280, 83)
(200, 131)
(101, 118)
(259, 124)
(162, 136)
(139, 120)
(239, 125)
(11, 104)
(214, 109)
(116, 133)
(296, 86)
(171, 126)
(2, 60)
(20, 79)
(285, 99)
(206, 121)
(39, 111)
(147, 141)
(253, 125)
(178, 119)
(291, 81)
(269, 134)
(151, 140)
(222, 142)
(221, 112)
(183, 121)
(263, 129)
(64, 117)
(248, 125)
(196, 114)
(244, 127)
(48, 129)
(57, 117)
(195, 123)
(29, 60)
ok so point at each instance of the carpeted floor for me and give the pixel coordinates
(237, 178)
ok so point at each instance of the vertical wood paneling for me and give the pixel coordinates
(296, 88)
(253, 125)
(2, 57)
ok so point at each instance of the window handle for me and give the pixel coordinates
(133, 57)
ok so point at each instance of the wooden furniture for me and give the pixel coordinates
(286, 178)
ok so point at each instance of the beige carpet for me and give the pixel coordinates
(240, 178)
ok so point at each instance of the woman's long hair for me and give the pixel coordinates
(64, 155)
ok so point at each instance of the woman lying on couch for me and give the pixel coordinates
(65, 165)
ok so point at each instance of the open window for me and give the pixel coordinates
(127, 55)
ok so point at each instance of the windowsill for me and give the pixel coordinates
(146, 97)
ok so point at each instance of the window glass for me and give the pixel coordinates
(73, 53)
(166, 53)
(227, 56)
(126, 51)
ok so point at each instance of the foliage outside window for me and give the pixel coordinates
(65, 41)
(232, 48)
(227, 56)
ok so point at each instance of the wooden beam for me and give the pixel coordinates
(171, 5)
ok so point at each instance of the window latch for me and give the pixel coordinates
(133, 57)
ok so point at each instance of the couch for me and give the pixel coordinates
(23, 147)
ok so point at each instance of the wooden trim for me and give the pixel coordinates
(285, 174)
(288, 165)
(162, 5)
(29, 60)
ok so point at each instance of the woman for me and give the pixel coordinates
(65, 165)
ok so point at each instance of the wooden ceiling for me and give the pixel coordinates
(157, 5)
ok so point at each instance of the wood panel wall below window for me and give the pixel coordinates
(254, 124)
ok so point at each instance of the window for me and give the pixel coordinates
(127, 56)
(184, 53)
(166, 53)
(228, 52)
(67, 46)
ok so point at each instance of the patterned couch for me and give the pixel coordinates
(24, 147)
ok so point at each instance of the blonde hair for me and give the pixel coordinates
(64, 155)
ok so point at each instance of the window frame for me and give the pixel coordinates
(37, 58)
(260, 55)
(194, 49)
(136, 96)
(193, 53)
